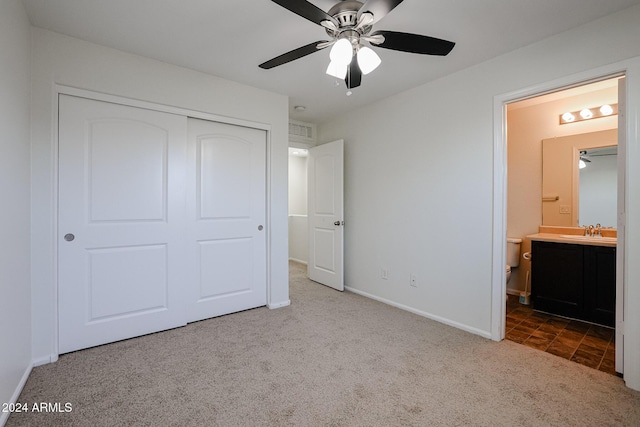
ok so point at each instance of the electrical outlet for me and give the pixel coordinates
(413, 281)
(384, 273)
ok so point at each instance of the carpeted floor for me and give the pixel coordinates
(330, 359)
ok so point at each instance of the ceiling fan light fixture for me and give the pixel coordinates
(341, 52)
(337, 70)
(581, 164)
(368, 60)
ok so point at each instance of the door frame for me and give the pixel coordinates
(631, 326)
(60, 89)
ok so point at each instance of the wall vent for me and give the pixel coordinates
(302, 132)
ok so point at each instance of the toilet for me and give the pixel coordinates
(513, 255)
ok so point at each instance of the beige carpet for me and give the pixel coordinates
(330, 359)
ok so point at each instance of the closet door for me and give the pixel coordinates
(226, 213)
(121, 246)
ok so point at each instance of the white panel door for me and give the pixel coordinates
(226, 212)
(326, 210)
(621, 223)
(121, 218)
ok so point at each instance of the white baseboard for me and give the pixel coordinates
(298, 260)
(467, 328)
(279, 305)
(4, 416)
(45, 360)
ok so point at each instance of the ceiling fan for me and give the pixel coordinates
(349, 24)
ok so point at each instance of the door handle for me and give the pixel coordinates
(338, 223)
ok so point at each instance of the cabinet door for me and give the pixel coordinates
(557, 277)
(600, 285)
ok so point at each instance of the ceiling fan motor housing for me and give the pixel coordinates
(346, 13)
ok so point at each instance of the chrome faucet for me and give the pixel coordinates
(593, 231)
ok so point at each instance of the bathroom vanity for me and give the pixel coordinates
(574, 276)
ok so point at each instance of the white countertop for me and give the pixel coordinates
(575, 240)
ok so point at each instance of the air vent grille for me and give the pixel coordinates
(300, 130)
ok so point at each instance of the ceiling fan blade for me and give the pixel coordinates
(354, 74)
(414, 43)
(294, 54)
(307, 10)
(379, 8)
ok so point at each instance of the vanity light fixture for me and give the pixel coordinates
(606, 110)
(589, 113)
(586, 114)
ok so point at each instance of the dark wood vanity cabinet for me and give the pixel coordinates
(577, 281)
(600, 284)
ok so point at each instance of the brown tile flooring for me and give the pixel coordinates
(581, 342)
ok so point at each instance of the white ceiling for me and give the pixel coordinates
(230, 38)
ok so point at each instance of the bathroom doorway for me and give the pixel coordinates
(530, 121)
(298, 220)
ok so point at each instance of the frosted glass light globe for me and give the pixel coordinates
(368, 60)
(337, 70)
(341, 52)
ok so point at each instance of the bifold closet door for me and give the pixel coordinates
(121, 247)
(226, 214)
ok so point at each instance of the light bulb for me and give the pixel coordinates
(606, 110)
(368, 60)
(568, 117)
(582, 164)
(337, 70)
(586, 114)
(341, 52)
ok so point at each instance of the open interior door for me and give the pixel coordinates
(620, 253)
(326, 214)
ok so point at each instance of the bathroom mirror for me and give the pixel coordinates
(564, 200)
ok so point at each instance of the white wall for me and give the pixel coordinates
(15, 292)
(63, 60)
(299, 238)
(298, 220)
(419, 179)
(297, 185)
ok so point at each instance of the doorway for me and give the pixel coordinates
(530, 121)
(298, 219)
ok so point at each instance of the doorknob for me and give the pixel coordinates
(69, 237)
(337, 223)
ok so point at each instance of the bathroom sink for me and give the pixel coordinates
(589, 238)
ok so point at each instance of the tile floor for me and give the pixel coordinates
(581, 342)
